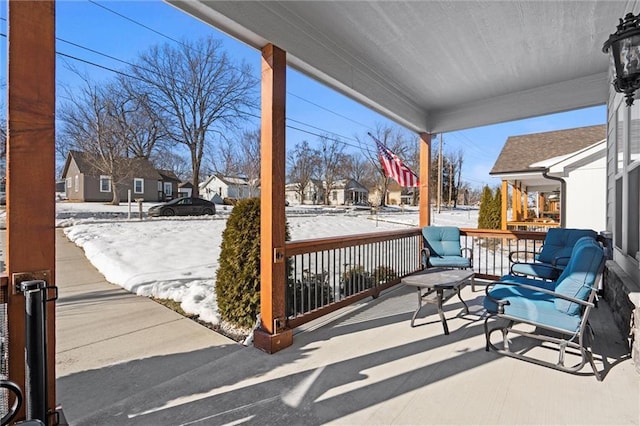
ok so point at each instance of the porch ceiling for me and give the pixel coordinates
(437, 66)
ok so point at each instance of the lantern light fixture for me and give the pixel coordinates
(623, 47)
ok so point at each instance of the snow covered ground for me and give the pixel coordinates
(177, 258)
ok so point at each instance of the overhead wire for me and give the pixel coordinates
(336, 137)
(187, 46)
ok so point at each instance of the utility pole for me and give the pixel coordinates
(438, 200)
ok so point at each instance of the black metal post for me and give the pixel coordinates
(35, 350)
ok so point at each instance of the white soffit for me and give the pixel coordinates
(437, 65)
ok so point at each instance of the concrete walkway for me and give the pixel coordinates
(123, 359)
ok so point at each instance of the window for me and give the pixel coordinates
(634, 134)
(168, 188)
(138, 186)
(77, 186)
(69, 182)
(334, 195)
(159, 186)
(619, 138)
(105, 183)
(623, 184)
(618, 233)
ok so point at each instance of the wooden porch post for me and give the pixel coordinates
(425, 173)
(525, 204)
(505, 202)
(515, 205)
(30, 174)
(272, 335)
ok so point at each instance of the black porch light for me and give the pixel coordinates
(623, 47)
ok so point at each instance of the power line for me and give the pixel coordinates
(330, 111)
(96, 65)
(242, 71)
(85, 61)
(136, 22)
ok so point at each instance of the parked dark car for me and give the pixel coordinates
(184, 206)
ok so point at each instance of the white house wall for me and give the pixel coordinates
(586, 193)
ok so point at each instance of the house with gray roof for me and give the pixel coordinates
(84, 181)
(551, 178)
(219, 187)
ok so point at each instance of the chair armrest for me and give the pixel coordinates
(553, 273)
(554, 262)
(470, 256)
(541, 290)
(424, 257)
(499, 302)
(520, 252)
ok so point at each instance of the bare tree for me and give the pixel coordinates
(167, 159)
(359, 168)
(249, 147)
(145, 124)
(199, 89)
(457, 161)
(397, 141)
(3, 131)
(303, 166)
(225, 158)
(92, 125)
(3, 138)
(331, 164)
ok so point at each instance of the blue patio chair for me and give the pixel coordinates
(441, 249)
(560, 306)
(554, 255)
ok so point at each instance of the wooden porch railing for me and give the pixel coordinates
(326, 274)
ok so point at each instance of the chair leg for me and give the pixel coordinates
(586, 349)
(505, 340)
(486, 333)
(563, 348)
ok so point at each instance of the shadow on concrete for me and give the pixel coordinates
(303, 384)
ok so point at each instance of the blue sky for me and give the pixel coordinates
(123, 29)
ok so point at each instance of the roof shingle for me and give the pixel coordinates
(521, 151)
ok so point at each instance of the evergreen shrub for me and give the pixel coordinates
(238, 276)
(484, 215)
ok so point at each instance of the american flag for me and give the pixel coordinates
(393, 167)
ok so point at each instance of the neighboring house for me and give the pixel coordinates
(185, 189)
(83, 182)
(228, 187)
(348, 191)
(313, 193)
(168, 190)
(393, 197)
(552, 178)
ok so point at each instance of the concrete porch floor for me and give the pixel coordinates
(124, 359)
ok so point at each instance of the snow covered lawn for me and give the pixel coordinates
(177, 258)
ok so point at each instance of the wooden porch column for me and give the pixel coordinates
(30, 174)
(425, 173)
(505, 202)
(515, 202)
(272, 335)
(525, 204)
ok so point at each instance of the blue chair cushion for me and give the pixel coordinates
(580, 275)
(449, 261)
(442, 240)
(531, 306)
(559, 243)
